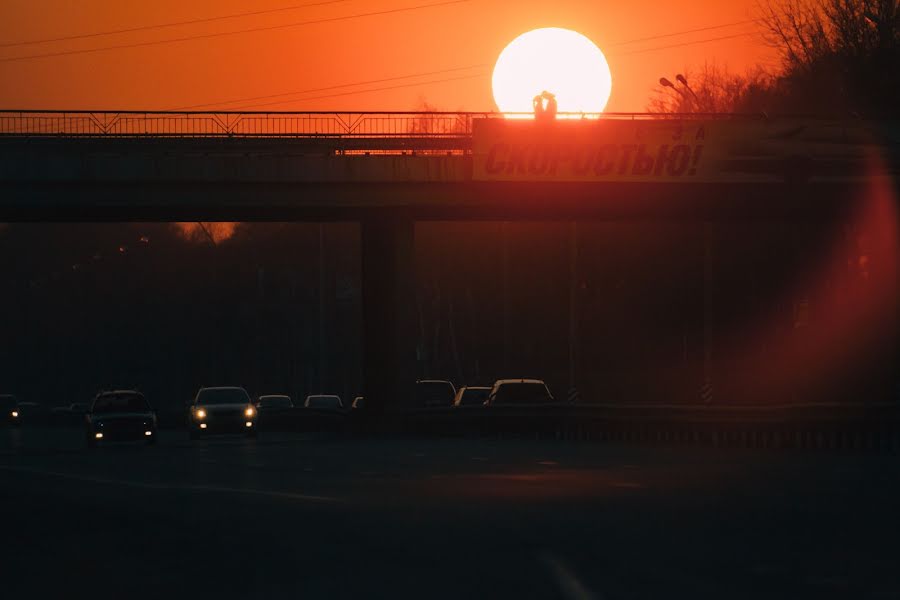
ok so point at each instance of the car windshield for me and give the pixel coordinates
(521, 393)
(474, 396)
(111, 403)
(323, 402)
(274, 402)
(434, 392)
(223, 396)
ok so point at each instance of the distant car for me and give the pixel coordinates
(29, 412)
(274, 402)
(10, 408)
(434, 392)
(519, 392)
(68, 414)
(471, 396)
(324, 402)
(120, 415)
(76, 408)
(222, 410)
(358, 403)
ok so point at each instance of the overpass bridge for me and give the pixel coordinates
(387, 170)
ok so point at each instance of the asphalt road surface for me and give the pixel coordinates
(312, 516)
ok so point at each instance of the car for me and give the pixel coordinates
(274, 403)
(432, 393)
(519, 392)
(120, 415)
(471, 396)
(68, 414)
(324, 402)
(29, 412)
(359, 403)
(221, 410)
(75, 408)
(10, 408)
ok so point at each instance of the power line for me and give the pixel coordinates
(254, 13)
(380, 89)
(332, 87)
(691, 43)
(685, 32)
(350, 93)
(233, 32)
(300, 92)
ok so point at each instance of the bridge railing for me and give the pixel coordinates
(434, 125)
(214, 124)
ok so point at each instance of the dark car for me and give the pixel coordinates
(432, 393)
(471, 396)
(30, 412)
(10, 408)
(273, 408)
(519, 392)
(120, 415)
(274, 403)
(222, 410)
(69, 414)
(325, 402)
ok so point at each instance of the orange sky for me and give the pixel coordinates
(212, 70)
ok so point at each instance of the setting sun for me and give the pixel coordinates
(560, 61)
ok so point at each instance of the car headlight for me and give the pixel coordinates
(15, 414)
(200, 413)
(249, 412)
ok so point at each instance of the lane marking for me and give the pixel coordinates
(174, 487)
(570, 585)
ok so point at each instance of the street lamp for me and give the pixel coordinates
(683, 81)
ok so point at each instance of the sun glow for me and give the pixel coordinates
(560, 61)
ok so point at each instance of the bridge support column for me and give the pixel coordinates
(389, 312)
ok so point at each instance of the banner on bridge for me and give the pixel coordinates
(671, 150)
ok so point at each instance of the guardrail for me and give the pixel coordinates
(856, 427)
(203, 124)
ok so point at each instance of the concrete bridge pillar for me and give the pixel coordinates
(389, 312)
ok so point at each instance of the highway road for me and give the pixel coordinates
(315, 516)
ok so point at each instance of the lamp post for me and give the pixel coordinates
(683, 81)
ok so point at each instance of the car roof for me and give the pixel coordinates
(118, 392)
(222, 387)
(434, 381)
(506, 381)
(323, 396)
(474, 387)
(275, 396)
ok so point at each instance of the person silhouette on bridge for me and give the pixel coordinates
(551, 107)
(542, 111)
(538, 103)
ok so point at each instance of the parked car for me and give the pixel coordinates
(518, 392)
(120, 415)
(434, 392)
(324, 402)
(221, 410)
(10, 408)
(471, 396)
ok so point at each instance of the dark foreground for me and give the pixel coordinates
(307, 516)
